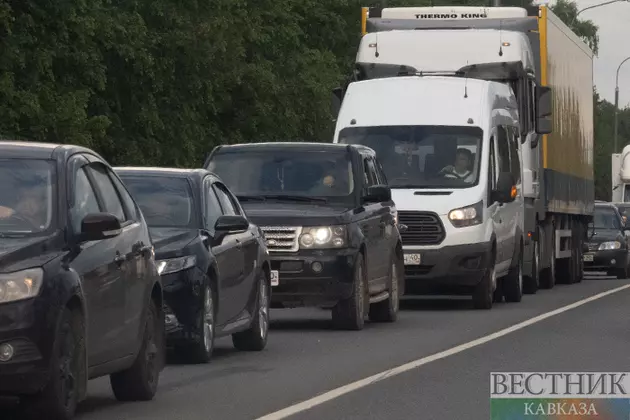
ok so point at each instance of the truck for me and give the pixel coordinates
(550, 70)
(620, 176)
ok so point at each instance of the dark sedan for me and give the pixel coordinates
(608, 244)
(213, 261)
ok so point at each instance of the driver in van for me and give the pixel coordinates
(462, 168)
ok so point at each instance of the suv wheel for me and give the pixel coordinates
(349, 314)
(483, 294)
(255, 337)
(513, 282)
(387, 310)
(200, 351)
(59, 399)
(140, 381)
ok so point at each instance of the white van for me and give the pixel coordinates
(450, 149)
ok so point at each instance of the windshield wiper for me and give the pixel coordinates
(251, 198)
(295, 198)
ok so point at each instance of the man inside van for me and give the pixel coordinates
(462, 168)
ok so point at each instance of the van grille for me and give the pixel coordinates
(423, 228)
(282, 238)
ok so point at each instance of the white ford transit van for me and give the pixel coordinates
(450, 148)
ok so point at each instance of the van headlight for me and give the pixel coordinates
(20, 285)
(322, 237)
(173, 265)
(467, 216)
(609, 245)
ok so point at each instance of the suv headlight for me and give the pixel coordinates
(467, 216)
(609, 245)
(20, 285)
(324, 237)
(173, 265)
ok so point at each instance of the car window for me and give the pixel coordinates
(369, 173)
(84, 201)
(213, 208)
(515, 160)
(606, 218)
(129, 204)
(226, 203)
(108, 193)
(503, 147)
(382, 178)
(492, 172)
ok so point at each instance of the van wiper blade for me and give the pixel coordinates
(251, 198)
(295, 198)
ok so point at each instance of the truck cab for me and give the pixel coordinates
(450, 148)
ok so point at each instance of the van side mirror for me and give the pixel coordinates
(98, 226)
(337, 98)
(544, 110)
(505, 191)
(378, 194)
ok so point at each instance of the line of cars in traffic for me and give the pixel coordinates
(103, 269)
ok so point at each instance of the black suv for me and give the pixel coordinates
(80, 296)
(213, 261)
(608, 244)
(329, 221)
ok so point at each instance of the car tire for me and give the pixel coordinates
(349, 314)
(548, 275)
(483, 295)
(531, 284)
(140, 381)
(200, 351)
(513, 282)
(59, 399)
(387, 310)
(255, 337)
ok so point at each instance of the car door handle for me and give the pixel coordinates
(119, 259)
(239, 244)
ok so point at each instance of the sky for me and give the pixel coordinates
(613, 21)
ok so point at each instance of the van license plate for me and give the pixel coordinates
(275, 278)
(412, 259)
(588, 257)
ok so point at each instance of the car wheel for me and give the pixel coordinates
(349, 314)
(548, 275)
(387, 310)
(200, 350)
(140, 381)
(483, 295)
(513, 282)
(255, 337)
(59, 399)
(532, 283)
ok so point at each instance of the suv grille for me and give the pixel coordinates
(593, 246)
(282, 238)
(422, 228)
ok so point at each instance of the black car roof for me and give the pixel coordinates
(35, 150)
(196, 174)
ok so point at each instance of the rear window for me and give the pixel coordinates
(164, 201)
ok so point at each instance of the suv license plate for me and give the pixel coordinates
(275, 277)
(588, 257)
(412, 259)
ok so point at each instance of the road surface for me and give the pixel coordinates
(305, 358)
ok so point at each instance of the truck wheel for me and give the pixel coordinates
(548, 275)
(140, 381)
(349, 314)
(200, 350)
(513, 282)
(387, 310)
(532, 283)
(483, 294)
(59, 399)
(255, 337)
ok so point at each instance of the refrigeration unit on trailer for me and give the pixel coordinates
(534, 52)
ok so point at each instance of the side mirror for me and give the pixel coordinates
(229, 224)
(505, 191)
(378, 194)
(337, 98)
(98, 226)
(544, 109)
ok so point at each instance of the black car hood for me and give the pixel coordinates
(170, 242)
(603, 235)
(293, 214)
(28, 252)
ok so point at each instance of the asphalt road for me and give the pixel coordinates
(306, 358)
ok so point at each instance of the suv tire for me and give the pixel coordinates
(387, 310)
(349, 314)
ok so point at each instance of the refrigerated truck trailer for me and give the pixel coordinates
(558, 167)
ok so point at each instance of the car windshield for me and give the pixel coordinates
(27, 188)
(298, 173)
(624, 210)
(423, 156)
(164, 201)
(605, 218)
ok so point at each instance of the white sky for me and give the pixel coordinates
(613, 21)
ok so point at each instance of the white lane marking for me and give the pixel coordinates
(338, 392)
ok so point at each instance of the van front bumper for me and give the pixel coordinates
(448, 270)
